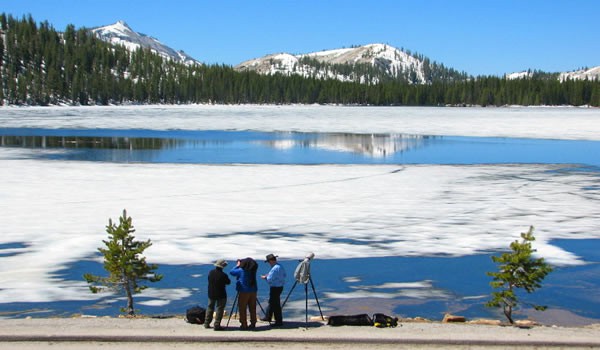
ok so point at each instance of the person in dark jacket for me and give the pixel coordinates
(217, 294)
(246, 286)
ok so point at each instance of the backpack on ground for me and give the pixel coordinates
(383, 321)
(350, 320)
(195, 315)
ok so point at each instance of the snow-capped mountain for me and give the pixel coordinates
(374, 62)
(371, 63)
(121, 34)
(581, 74)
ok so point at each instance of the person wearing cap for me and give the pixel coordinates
(217, 294)
(276, 279)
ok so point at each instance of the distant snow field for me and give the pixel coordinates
(528, 122)
(54, 213)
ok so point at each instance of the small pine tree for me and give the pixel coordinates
(124, 262)
(517, 270)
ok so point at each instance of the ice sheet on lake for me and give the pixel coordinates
(414, 290)
(528, 122)
(55, 212)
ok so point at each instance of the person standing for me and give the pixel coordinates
(276, 279)
(246, 286)
(217, 294)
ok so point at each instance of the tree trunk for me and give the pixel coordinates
(508, 313)
(130, 310)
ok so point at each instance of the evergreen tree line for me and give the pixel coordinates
(373, 74)
(40, 66)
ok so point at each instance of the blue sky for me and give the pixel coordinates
(476, 36)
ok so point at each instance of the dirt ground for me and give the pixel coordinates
(175, 333)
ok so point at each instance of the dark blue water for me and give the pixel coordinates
(456, 284)
(251, 147)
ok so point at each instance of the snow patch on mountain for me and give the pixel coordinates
(121, 34)
(519, 75)
(271, 64)
(386, 59)
(582, 74)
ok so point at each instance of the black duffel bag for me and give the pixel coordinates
(195, 315)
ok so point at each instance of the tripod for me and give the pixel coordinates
(302, 275)
(235, 304)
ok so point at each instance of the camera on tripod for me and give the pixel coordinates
(302, 272)
(302, 275)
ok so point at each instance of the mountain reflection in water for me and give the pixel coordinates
(374, 145)
(253, 147)
(88, 142)
(218, 147)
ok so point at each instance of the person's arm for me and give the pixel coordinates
(274, 273)
(236, 272)
(268, 275)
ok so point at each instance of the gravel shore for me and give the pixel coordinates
(175, 333)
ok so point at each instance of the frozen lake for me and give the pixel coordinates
(402, 206)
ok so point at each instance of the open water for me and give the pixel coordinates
(252, 147)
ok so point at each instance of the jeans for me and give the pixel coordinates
(220, 303)
(274, 308)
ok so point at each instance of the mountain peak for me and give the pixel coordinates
(120, 27)
(120, 33)
(387, 62)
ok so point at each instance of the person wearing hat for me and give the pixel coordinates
(217, 294)
(276, 279)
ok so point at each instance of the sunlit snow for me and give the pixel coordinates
(529, 122)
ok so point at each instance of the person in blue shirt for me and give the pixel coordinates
(246, 286)
(276, 279)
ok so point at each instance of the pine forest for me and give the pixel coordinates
(42, 66)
